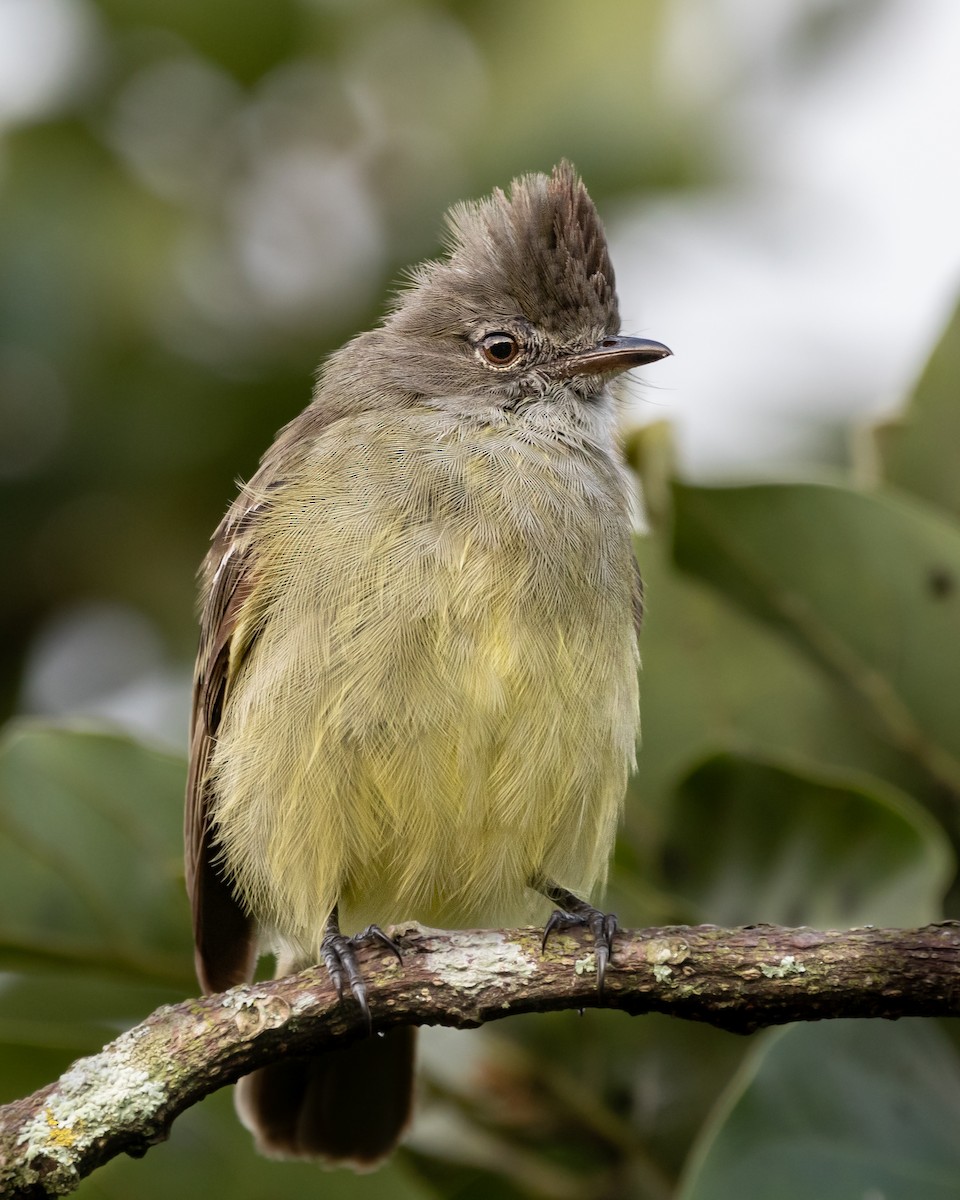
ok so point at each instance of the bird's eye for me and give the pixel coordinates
(499, 349)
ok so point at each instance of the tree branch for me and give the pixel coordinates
(125, 1098)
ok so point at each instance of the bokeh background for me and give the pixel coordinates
(197, 203)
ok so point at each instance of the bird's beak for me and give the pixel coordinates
(614, 354)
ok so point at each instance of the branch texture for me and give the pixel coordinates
(125, 1098)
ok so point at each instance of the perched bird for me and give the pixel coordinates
(416, 691)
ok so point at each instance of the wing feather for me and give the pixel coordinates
(224, 933)
(637, 598)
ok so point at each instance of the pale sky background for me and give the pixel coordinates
(816, 290)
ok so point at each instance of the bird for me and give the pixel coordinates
(416, 692)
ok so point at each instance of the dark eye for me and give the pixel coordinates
(499, 349)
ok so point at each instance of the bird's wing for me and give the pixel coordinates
(224, 933)
(637, 597)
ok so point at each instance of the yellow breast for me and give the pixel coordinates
(441, 698)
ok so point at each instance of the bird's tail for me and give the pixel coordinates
(348, 1105)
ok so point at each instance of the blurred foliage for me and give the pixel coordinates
(835, 850)
(916, 451)
(877, 1118)
(222, 196)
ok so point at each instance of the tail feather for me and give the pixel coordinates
(350, 1104)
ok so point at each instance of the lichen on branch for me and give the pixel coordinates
(125, 1098)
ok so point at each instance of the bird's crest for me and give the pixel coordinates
(540, 249)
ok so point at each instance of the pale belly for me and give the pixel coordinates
(425, 725)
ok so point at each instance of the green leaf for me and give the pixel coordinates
(210, 1155)
(866, 585)
(713, 679)
(650, 451)
(751, 841)
(49, 1018)
(73, 1011)
(590, 1091)
(917, 451)
(91, 854)
(837, 1110)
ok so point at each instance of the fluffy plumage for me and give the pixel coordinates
(416, 688)
(542, 251)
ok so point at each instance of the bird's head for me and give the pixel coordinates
(523, 306)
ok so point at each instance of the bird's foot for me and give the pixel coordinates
(339, 957)
(602, 925)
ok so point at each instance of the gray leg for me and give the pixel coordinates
(572, 912)
(341, 961)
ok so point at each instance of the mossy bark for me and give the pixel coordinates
(124, 1099)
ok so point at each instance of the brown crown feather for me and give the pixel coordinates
(541, 250)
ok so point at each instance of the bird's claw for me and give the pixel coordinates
(373, 933)
(339, 957)
(603, 927)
